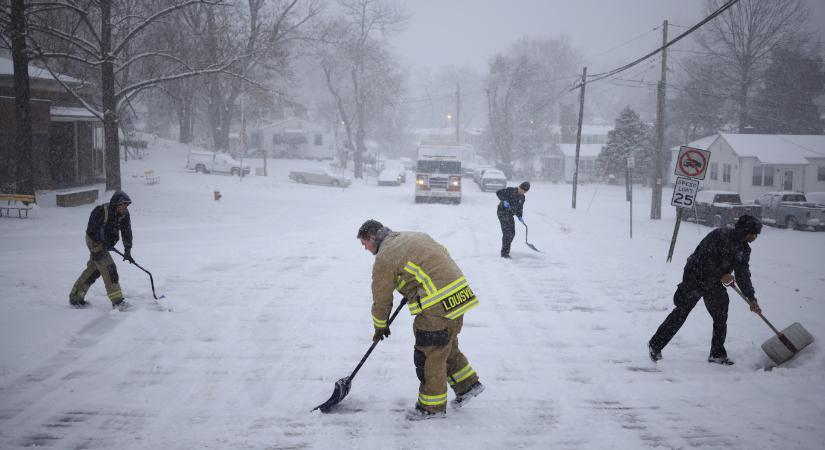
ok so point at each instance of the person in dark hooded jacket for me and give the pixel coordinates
(107, 223)
(708, 270)
(511, 204)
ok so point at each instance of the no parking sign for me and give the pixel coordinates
(692, 162)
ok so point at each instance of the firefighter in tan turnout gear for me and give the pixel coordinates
(424, 273)
(106, 223)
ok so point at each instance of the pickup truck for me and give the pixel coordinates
(206, 162)
(720, 209)
(791, 210)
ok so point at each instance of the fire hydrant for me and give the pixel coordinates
(217, 195)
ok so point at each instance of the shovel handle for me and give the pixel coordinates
(739, 291)
(372, 347)
(151, 279)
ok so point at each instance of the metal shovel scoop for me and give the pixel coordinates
(342, 386)
(787, 343)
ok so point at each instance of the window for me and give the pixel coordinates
(763, 175)
(714, 171)
(319, 139)
(768, 179)
(820, 175)
(725, 173)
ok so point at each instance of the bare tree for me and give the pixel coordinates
(262, 32)
(523, 89)
(357, 65)
(742, 39)
(99, 36)
(23, 179)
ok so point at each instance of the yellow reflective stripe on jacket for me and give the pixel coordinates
(441, 294)
(421, 276)
(432, 400)
(464, 308)
(105, 213)
(461, 375)
(379, 323)
(399, 283)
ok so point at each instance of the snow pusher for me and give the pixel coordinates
(342, 386)
(151, 280)
(786, 343)
(525, 237)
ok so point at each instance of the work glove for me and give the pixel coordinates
(520, 219)
(754, 305)
(506, 204)
(127, 256)
(380, 334)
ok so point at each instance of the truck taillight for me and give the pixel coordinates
(422, 181)
(455, 183)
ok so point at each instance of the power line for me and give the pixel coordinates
(707, 19)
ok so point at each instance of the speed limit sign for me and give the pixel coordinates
(684, 193)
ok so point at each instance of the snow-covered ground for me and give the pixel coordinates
(270, 295)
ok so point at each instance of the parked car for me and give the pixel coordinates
(479, 172)
(720, 209)
(493, 180)
(207, 162)
(397, 168)
(318, 176)
(791, 210)
(390, 177)
(816, 197)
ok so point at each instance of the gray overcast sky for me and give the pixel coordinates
(469, 32)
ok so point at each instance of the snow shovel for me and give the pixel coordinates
(342, 386)
(787, 343)
(525, 237)
(151, 280)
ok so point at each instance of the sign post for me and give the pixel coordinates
(631, 164)
(691, 166)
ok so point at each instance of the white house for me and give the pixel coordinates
(752, 164)
(588, 153)
(294, 138)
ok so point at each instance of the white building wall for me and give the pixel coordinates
(811, 182)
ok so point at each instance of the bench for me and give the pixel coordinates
(20, 202)
(150, 177)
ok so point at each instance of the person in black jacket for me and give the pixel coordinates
(707, 272)
(107, 223)
(511, 204)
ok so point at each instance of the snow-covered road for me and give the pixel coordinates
(270, 297)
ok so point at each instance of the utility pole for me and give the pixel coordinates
(457, 112)
(656, 200)
(579, 137)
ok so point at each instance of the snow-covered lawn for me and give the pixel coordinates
(270, 295)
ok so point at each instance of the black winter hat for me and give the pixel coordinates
(120, 197)
(525, 186)
(749, 224)
(369, 228)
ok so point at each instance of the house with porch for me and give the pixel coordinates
(752, 164)
(67, 139)
(294, 138)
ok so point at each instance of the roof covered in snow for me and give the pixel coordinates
(7, 69)
(586, 150)
(776, 148)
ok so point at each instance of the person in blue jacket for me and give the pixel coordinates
(511, 204)
(107, 223)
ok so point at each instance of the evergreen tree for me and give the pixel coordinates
(630, 137)
(785, 104)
